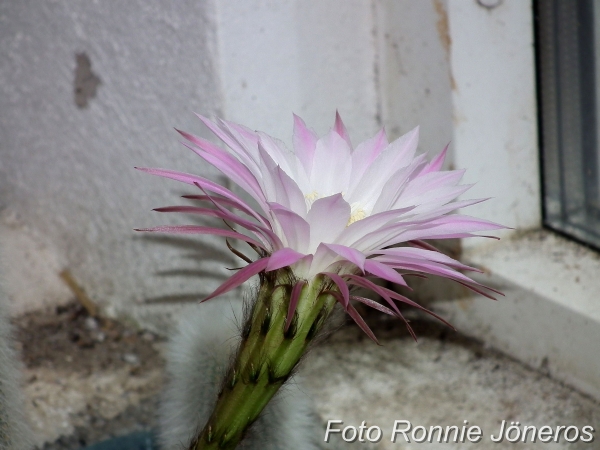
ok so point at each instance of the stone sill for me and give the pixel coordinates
(550, 317)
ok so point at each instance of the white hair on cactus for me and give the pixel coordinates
(199, 354)
(14, 431)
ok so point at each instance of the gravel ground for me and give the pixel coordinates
(442, 380)
(88, 379)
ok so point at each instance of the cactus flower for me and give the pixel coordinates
(329, 217)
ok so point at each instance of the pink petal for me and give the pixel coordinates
(323, 257)
(455, 226)
(305, 141)
(359, 229)
(365, 153)
(331, 149)
(227, 139)
(340, 129)
(342, 286)
(382, 271)
(240, 276)
(327, 217)
(295, 296)
(373, 304)
(205, 184)
(302, 267)
(398, 154)
(423, 266)
(230, 166)
(393, 190)
(220, 215)
(354, 256)
(368, 284)
(403, 299)
(271, 237)
(278, 151)
(190, 210)
(380, 307)
(223, 201)
(294, 227)
(437, 162)
(361, 323)
(247, 144)
(239, 131)
(412, 254)
(193, 229)
(293, 195)
(424, 184)
(283, 258)
(440, 211)
(424, 245)
(481, 291)
(388, 294)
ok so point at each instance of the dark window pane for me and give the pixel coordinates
(567, 49)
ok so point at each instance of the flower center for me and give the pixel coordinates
(310, 198)
(356, 213)
(356, 210)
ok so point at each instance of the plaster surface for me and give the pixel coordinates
(549, 317)
(67, 168)
(494, 110)
(89, 90)
(414, 56)
(304, 57)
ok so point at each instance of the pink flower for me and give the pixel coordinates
(329, 208)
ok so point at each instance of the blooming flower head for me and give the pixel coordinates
(328, 208)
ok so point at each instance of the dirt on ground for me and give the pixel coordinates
(87, 378)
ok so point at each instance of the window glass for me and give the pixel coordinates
(568, 53)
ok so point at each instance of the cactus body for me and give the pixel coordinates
(14, 431)
(200, 356)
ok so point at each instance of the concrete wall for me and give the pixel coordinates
(67, 157)
(415, 70)
(309, 57)
(88, 90)
(494, 109)
(464, 71)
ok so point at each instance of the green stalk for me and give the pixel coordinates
(266, 357)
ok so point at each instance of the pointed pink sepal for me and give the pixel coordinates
(240, 276)
(295, 296)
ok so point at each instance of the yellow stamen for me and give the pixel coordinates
(357, 214)
(311, 197)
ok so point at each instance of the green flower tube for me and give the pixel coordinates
(268, 353)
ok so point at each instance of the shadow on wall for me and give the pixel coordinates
(196, 252)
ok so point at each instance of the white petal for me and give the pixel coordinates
(327, 218)
(398, 154)
(332, 165)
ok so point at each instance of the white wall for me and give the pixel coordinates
(308, 57)
(67, 172)
(67, 186)
(465, 73)
(494, 109)
(415, 70)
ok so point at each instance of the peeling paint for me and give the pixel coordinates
(442, 25)
(443, 29)
(86, 82)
